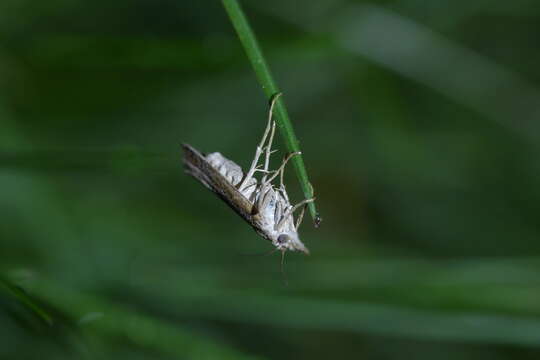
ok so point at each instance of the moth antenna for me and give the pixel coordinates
(282, 268)
(266, 253)
(271, 252)
(300, 217)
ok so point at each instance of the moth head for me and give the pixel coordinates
(290, 241)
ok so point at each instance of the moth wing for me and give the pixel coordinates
(197, 166)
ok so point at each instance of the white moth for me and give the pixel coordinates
(265, 206)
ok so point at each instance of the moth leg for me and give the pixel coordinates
(302, 203)
(265, 170)
(269, 146)
(281, 184)
(300, 217)
(291, 211)
(258, 169)
(268, 149)
(265, 197)
(283, 190)
(253, 167)
(259, 149)
(281, 169)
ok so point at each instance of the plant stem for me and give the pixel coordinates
(19, 295)
(262, 71)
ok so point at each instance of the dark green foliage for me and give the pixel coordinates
(418, 124)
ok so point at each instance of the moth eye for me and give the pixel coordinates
(283, 238)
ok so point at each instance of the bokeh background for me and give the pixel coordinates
(419, 126)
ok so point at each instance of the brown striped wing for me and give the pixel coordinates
(197, 166)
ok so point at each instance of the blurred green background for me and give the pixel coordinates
(419, 126)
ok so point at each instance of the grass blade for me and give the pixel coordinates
(13, 291)
(102, 317)
(262, 71)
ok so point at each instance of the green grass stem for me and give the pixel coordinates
(262, 71)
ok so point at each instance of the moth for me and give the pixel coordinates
(260, 202)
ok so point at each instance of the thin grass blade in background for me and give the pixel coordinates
(11, 290)
(120, 322)
(406, 47)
